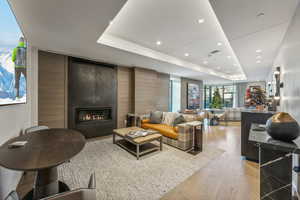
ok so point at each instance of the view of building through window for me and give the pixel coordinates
(227, 93)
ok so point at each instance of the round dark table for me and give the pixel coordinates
(44, 151)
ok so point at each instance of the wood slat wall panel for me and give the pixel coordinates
(145, 90)
(151, 91)
(52, 90)
(125, 94)
(163, 92)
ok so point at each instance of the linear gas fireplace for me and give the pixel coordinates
(85, 115)
(92, 97)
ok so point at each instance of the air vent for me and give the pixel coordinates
(213, 52)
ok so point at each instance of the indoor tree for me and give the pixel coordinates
(217, 100)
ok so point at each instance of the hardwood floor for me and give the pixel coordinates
(229, 177)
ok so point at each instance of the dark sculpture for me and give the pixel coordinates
(282, 126)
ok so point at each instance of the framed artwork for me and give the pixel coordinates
(193, 96)
(13, 55)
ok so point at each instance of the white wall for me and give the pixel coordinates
(15, 118)
(289, 60)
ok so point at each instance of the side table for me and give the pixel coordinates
(197, 137)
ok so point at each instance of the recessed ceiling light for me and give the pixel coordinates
(258, 61)
(110, 22)
(258, 51)
(186, 54)
(205, 62)
(258, 57)
(229, 57)
(158, 43)
(200, 21)
(219, 44)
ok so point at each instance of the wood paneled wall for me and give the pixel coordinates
(163, 92)
(52, 90)
(141, 91)
(184, 83)
(145, 90)
(125, 94)
(151, 91)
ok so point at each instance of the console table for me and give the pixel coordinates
(249, 150)
(276, 164)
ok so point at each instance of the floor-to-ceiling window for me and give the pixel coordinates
(227, 93)
(175, 91)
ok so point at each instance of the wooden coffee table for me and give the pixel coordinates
(137, 146)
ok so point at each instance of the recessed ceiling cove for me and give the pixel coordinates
(183, 33)
(255, 30)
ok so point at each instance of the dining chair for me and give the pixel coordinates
(13, 195)
(35, 128)
(88, 193)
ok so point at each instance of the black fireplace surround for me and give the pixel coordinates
(92, 97)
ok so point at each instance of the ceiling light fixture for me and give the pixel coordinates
(158, 43)
(229, 57)
(186, 54)
(200, 21)
(258, 57)
(205, 62)
(110, 22)
(258, 61)
(258, 51)
(219, 44)
(260, 14)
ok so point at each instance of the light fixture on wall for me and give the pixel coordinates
(277, 79)
(277, 98)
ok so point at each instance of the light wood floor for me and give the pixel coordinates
(226, 178)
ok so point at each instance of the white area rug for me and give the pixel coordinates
(120, 176)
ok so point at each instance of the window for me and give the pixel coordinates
(175, 91)
(227, 93)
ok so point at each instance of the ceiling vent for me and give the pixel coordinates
(213, 52)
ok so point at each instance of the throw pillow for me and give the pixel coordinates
(178, 120)
(156, 117)
(169, 118)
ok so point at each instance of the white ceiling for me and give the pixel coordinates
(175, 23)
(247, 32)
(74, 28)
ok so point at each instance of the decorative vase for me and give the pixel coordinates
(281, 126)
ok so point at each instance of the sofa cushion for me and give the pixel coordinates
(169, 117)
(178, 120)
(189, 117)
(165, 130)
(156, 117)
